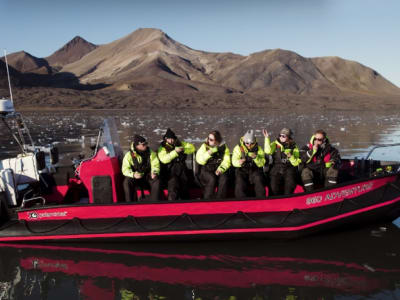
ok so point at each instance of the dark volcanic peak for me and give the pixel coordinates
(15, 77)
(25, 62)
(74, 50)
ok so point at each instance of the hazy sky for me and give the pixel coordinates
(367, 31)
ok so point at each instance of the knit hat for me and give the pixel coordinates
(249, 137)
(137, 139)
(170, 134)
(287, 132)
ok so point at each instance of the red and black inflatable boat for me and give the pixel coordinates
(87, 206)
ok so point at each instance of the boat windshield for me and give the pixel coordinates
(110, 138)
(390, 152)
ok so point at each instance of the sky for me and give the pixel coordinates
(366, 31)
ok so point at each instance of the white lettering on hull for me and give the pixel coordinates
(341, 194)
(36, 215)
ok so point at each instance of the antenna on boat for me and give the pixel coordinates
(7, 110)
(8, 75)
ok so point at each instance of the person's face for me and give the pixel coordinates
(249, 145)
(141, 147)
(319, 139)
(212, 141)
(170, 141)
(283, 138)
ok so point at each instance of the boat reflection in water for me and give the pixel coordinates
(361, 262)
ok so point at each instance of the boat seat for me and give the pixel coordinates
(24, 167)
(15, 173)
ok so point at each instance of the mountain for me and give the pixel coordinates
(150, 59)
(354, 77)
(277, 70)
(149, 69)
(70, 52)
(15, 78)
(25, 63)
(146, 57)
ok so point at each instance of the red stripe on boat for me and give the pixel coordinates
(161, 209)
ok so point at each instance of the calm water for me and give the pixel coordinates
(350, 264)
(351, 132)
(354, 264)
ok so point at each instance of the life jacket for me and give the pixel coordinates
(216, 159)
(249, 162)
(145, 165)
(176, 167)
(181, 158)
(279, 157)
(322, 156)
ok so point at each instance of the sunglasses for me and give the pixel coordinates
(319, 140)
(211, 139)
(283, 135)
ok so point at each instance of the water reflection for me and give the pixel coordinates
(352, 132)
(362, 263)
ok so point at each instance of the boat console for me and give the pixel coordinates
(22, 175)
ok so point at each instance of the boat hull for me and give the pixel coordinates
(344, 206)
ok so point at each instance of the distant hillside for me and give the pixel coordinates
(148, 58)
(352, 76)
(15, 78)
(149, 69)
(279, 70)
(70, 52)
(26, 63)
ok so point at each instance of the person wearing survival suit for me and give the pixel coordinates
(322, 162)
(214, 158)
(248, 158)
(172, 154)
(286, 158)
(140, 167)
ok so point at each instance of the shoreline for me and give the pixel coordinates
(206, 110)
(52, 99)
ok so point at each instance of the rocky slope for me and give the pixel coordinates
(148, 58)
(70, 52)
(148, 68)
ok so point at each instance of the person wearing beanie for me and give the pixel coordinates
(285, 161)
(169, 134)
(172, 155)
(141, 169)
(214, 158)
(321, 162)
(248, 158)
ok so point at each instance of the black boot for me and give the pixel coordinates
(309, 187)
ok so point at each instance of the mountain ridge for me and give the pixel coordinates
(150, 52)
(72, 51)
(149, 63)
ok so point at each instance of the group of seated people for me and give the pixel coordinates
(142, 167)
